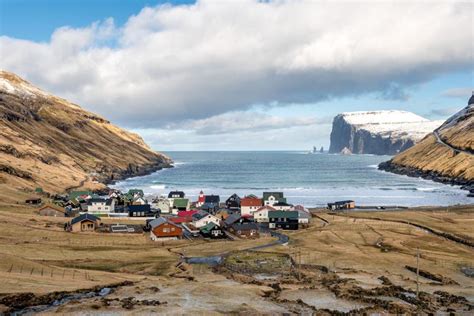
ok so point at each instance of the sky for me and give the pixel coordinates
(242, 75)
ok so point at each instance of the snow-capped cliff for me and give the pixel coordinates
(378, 132)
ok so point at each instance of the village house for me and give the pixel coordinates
(222, 214)
(304, 216)
(271, 198)
(52, 210)
(287, 220)
(163, 204)
(211, 230)
(261, 215)
(233, 202)
(282, 206)
(179, 204)
(84, 223)
(203, 218)
(141, 211)
(249, 204)
(100, 206)
(161, 229)
(139, 201)
(80, 195)
(176, 195)
(211, 203)
(341, 205)
(135, 193)
(201, 199)
(236, 218)
(244, 230)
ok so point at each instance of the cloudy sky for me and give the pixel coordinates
(242, 75)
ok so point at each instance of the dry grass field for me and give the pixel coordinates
(38, 256)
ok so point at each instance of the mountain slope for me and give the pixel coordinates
(48, 142)
(447, 155)
(378, 132)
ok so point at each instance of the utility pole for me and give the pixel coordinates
(417, 272)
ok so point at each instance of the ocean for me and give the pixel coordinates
(309, 179)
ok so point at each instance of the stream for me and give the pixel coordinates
(65, 299)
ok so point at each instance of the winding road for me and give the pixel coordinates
(217, 259)
(456, 150)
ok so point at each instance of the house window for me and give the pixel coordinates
(172, 229)
(166, 230)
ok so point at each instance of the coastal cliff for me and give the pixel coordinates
(378, 132)
(48, 142)
(446, 155)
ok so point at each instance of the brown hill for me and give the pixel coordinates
(446, 155)
(48, 142)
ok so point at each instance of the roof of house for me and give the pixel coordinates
(179, 202)
(268, 207)
(187, 213)
(245, 226)
(277, 195)
(197, 216)
(99, 200)
(250, 201)
(234, 197)
(281, 203)
(208, 227)
(283, 214)
(232, 219)
(139, 208)
(212, 199)
(54, 207)
(76, 194)
(84, 217)
(135, 191)
(341, 202)
(179, 220)
(160, 221)
(178, 193)
(303, 214)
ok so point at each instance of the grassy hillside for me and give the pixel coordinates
(48, 142)
(432, 159)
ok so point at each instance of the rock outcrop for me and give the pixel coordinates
(48, 142)
(446, 155)
(378, 132)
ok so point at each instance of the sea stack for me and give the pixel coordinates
(378, 132)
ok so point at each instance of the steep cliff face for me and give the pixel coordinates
(48, 142)
(447, 155)
(378, 132)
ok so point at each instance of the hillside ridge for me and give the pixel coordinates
(51, 143)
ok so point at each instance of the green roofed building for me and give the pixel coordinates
(271, 198)
(212, 230)
(134, 192)
(287, 220)
(180, 204)
(75, 195)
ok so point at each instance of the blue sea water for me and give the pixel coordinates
(308, 179)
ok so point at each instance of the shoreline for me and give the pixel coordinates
(389, 166)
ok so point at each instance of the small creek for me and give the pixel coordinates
(64, 300)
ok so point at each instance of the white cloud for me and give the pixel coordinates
(172, 63)
(242, 122)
